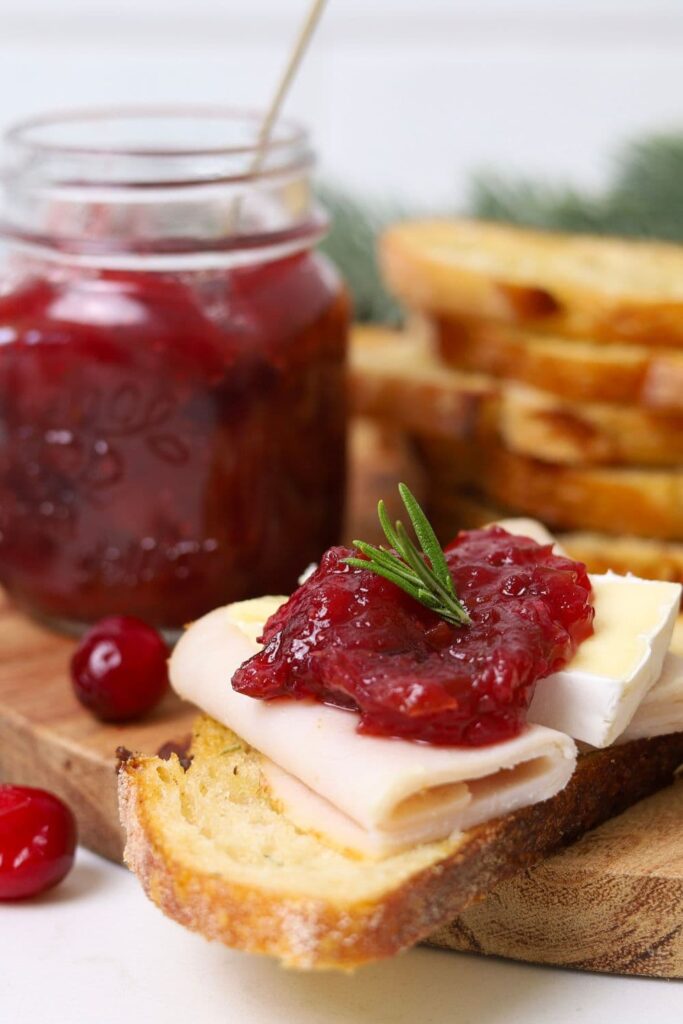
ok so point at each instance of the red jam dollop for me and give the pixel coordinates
(351, 639)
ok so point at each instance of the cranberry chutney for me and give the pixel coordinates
(171, 367)
(349, 638)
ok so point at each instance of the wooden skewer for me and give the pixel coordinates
(296, 56)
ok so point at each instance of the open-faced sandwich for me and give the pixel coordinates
(384, 746)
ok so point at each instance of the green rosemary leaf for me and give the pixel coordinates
(385, 523)
(429, 578)
(385, 558)
(421, 573)
(426, 597)
(427, 538)
(413, 557)
(387, 574)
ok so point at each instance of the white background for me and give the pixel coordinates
(96, 952)
(405, 96)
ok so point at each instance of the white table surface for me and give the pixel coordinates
(96, 951)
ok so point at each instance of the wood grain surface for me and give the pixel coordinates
(47, 739)
(612, 902)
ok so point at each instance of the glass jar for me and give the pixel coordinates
(172, 417)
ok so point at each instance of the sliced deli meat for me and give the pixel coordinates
(374, 795)
(378, 794)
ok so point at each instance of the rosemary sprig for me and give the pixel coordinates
(421, 572)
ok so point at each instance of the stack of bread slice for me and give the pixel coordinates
(541, 375)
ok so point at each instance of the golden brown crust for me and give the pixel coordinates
(592, 434)
(641, 502)
(580, 371)
(399, 379)
(394, 377)
(316, 933)
(607, 289)
(653, 560)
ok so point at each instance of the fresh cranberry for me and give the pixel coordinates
(119, 669)
(37, 841)
(350, 638)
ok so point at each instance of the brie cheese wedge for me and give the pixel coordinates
(595, 697)
(661, 711)
(373, 795)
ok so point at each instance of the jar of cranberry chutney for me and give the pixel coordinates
(172, 415)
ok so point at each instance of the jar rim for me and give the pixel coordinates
(25, 134)
(157, 179)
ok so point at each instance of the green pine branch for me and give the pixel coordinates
(643, 199)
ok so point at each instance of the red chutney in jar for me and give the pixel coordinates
(168, 441)
(349, 638)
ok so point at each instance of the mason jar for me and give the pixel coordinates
(172, 415)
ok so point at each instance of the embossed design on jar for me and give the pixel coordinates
(80, 458)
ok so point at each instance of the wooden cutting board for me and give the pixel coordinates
(612, 902)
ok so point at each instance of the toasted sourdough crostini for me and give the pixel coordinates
(606, 289)
(212, 852)
(576, 369)
(542, 426)
(397, 377)
(634, 501)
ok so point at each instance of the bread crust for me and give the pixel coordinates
(607, 289)
(398, 378)
(395, 377)
(579, 371)
(639, 502)
(545, 427)
(315, 933)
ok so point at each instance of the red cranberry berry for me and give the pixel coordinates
(37, 841)
(119, 669)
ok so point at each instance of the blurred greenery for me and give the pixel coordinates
(643, 199)
(352, 244)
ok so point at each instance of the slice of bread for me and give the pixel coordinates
(399, 378)
(213, 852)
(605, 289)
(582, 371)
(546, 427)
(395, 376)
(650, 559)
(641, 502)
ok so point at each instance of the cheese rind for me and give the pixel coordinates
(661, 711)
(595, 697)
(397, 792)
